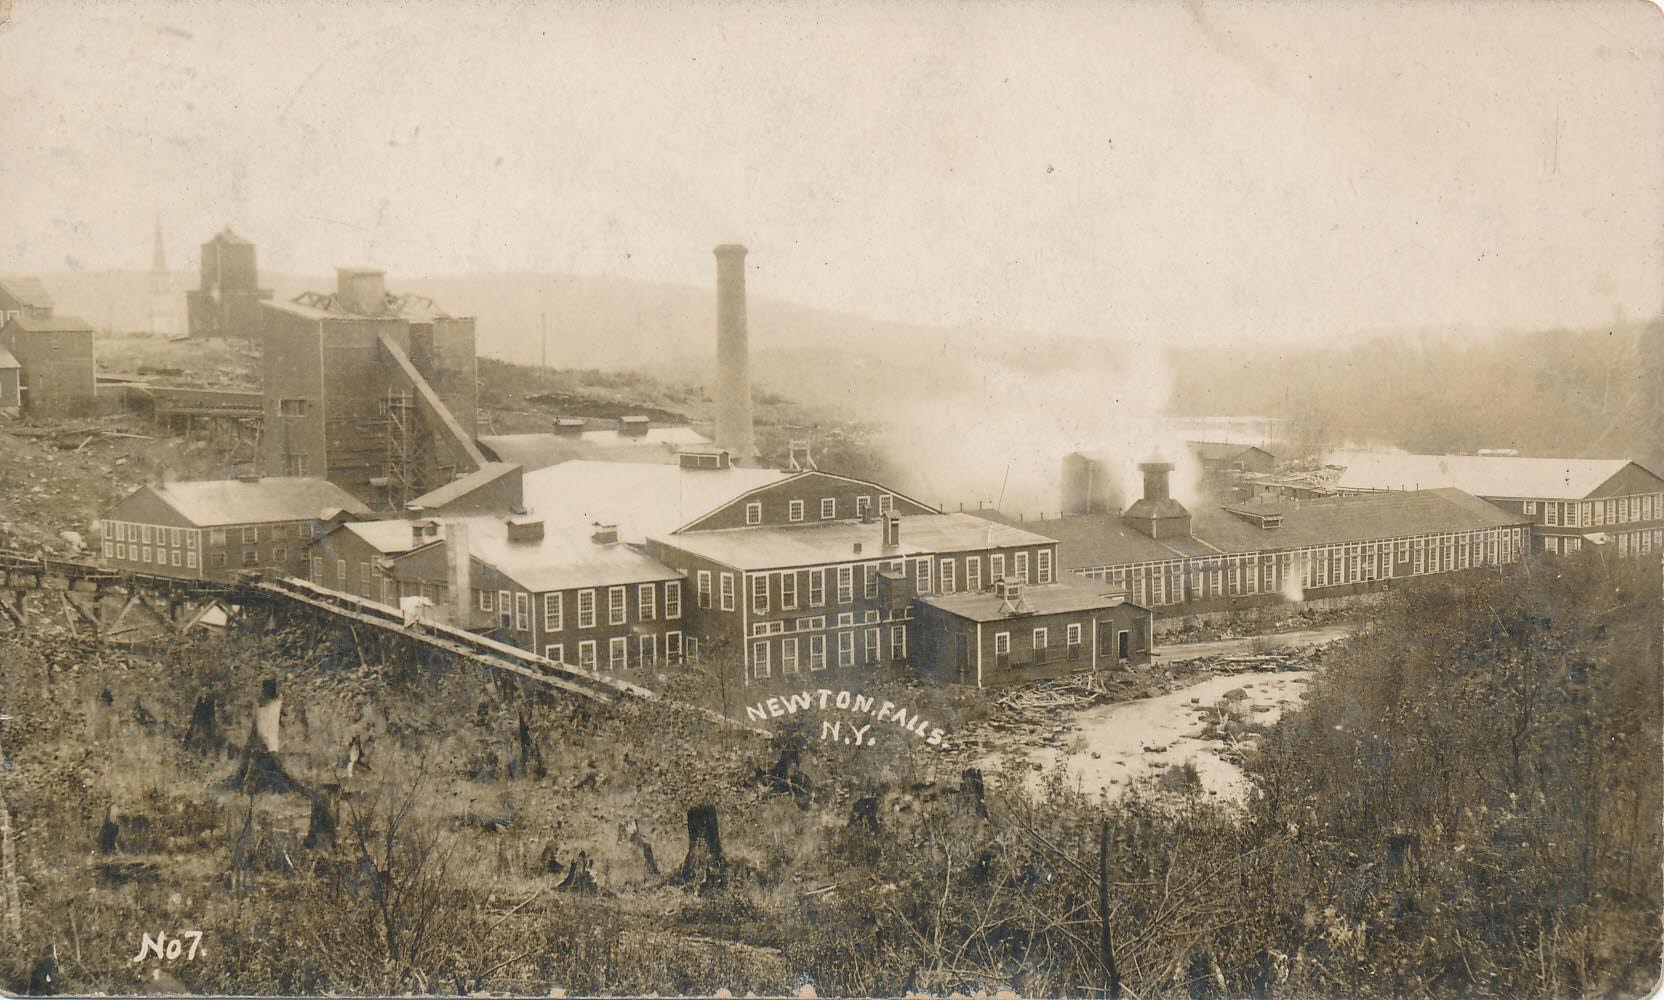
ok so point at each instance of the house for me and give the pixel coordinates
(55, 363)
(1223, 461)
(24, 297)
(1242, 554)
(214, 529)
(1569, 502)
(1018, 632)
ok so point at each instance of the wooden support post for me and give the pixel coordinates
(121, 616)
(1105, 943)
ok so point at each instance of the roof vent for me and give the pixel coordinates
(892, 529)
(635, 425)
(703, 459)
(1012, 601)
(525, 529)
(248, 477)
(605, 534)
(569, 425)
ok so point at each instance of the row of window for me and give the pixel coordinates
(619, 657)
(782, 589)
(816, 623)
(1630, 543)
(1596, 513)
(554, 606)
(796, 509)
(158, 534)
(810, 653)
(187, 558)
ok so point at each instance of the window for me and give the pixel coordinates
(586, 610)
(617, 605)
(870, 651)
(702, 588)
(673, 600)
(505, 605)
(317, 569)
(794, 510)
(788, 656)
(1043, 565)
(278, 531)
(885, 502)
(484, 595)
(727, 591)
(647, 651)
(190, 560)
(176, 536)
(190, 539)
(817, 588)
(216, 560)
(555, 651)
(586, 649)
(647, 602)
(109, 549)
(291, 407)
(522, 612)
(618, 653)
(1611, 512)
(216, 536)
(862, 505)
(1551, 514)
(759, 593)
(846, 649)
(148, 537)
(1600, 513)
(788, 591)
(759, 659)
(251, 557)
(280, 553)
(1586, 512)
(1530, 507)
(921, 574)
(846, 618)
(817, 652)
(553, 612)
(973, 574)
(1021, 566)
(1072, 634)
(673, 647)
(1002, 643)
(996, 567)
(828, 508)
(846, 584)
(1039, 638)
(172, 558)
(946, 576)
(898, 642)
(250, 535)
(753, 513)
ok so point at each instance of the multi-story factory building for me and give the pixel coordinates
(1240, 555)
(228, 303)
(377, 393)
(56, 373)
(1569, 502)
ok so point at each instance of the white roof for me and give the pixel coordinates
(643, 499)
(566, 557)
(394, 535)
(207, 502)
(1480, 475)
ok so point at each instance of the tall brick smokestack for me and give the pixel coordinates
(733, 357)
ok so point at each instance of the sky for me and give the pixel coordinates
(1155, 171)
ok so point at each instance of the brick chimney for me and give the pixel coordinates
(734, 432)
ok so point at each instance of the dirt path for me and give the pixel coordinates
(1178, 652)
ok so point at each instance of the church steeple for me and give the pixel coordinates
(164, 318)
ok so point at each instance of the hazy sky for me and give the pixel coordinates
(1137, 170)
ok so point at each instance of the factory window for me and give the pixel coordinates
(921, 574)
(1531, 507)
(1611, 512)
(586, 609)
(1159, 582)
(862, 504)
(846, 649)
(753, 513)
(673, 647)
(846, 584)
(870, 652)
(1236, 578)
(279, 554)
(1072, 634)
(1252, 581)
(586, 654)
(788, 656)
(1002, 643)
(898, 642)
(279, 532)
(871, 616)
(673, 599)
(250, 535)
(794, 510)
(505, 607)
(973, 573)
(291, 407)
(190, 560)
(996, 567)
(522, 612)
(828, 508)
(1551, 514)
(885, 502)
(1600, 514)
(216, 536)
(845, 619)
(618, 653)
(617, 605)
(553, 612)
(727, 591)
(555, 651)
(788, 590)
(946, 577)
(176, 536)
(1043, 565)
(216, 560)
(759, 593)
(109, 549)
(1586, 513)
(817, 588)
(647, 651)
(759, 659)
(869, 580)
(1020, 570)
(647, 602)
(702, 588)
(147, 538)
(251, 557)
(817, 652)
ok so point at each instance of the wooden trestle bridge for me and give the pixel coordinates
(115, 605)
